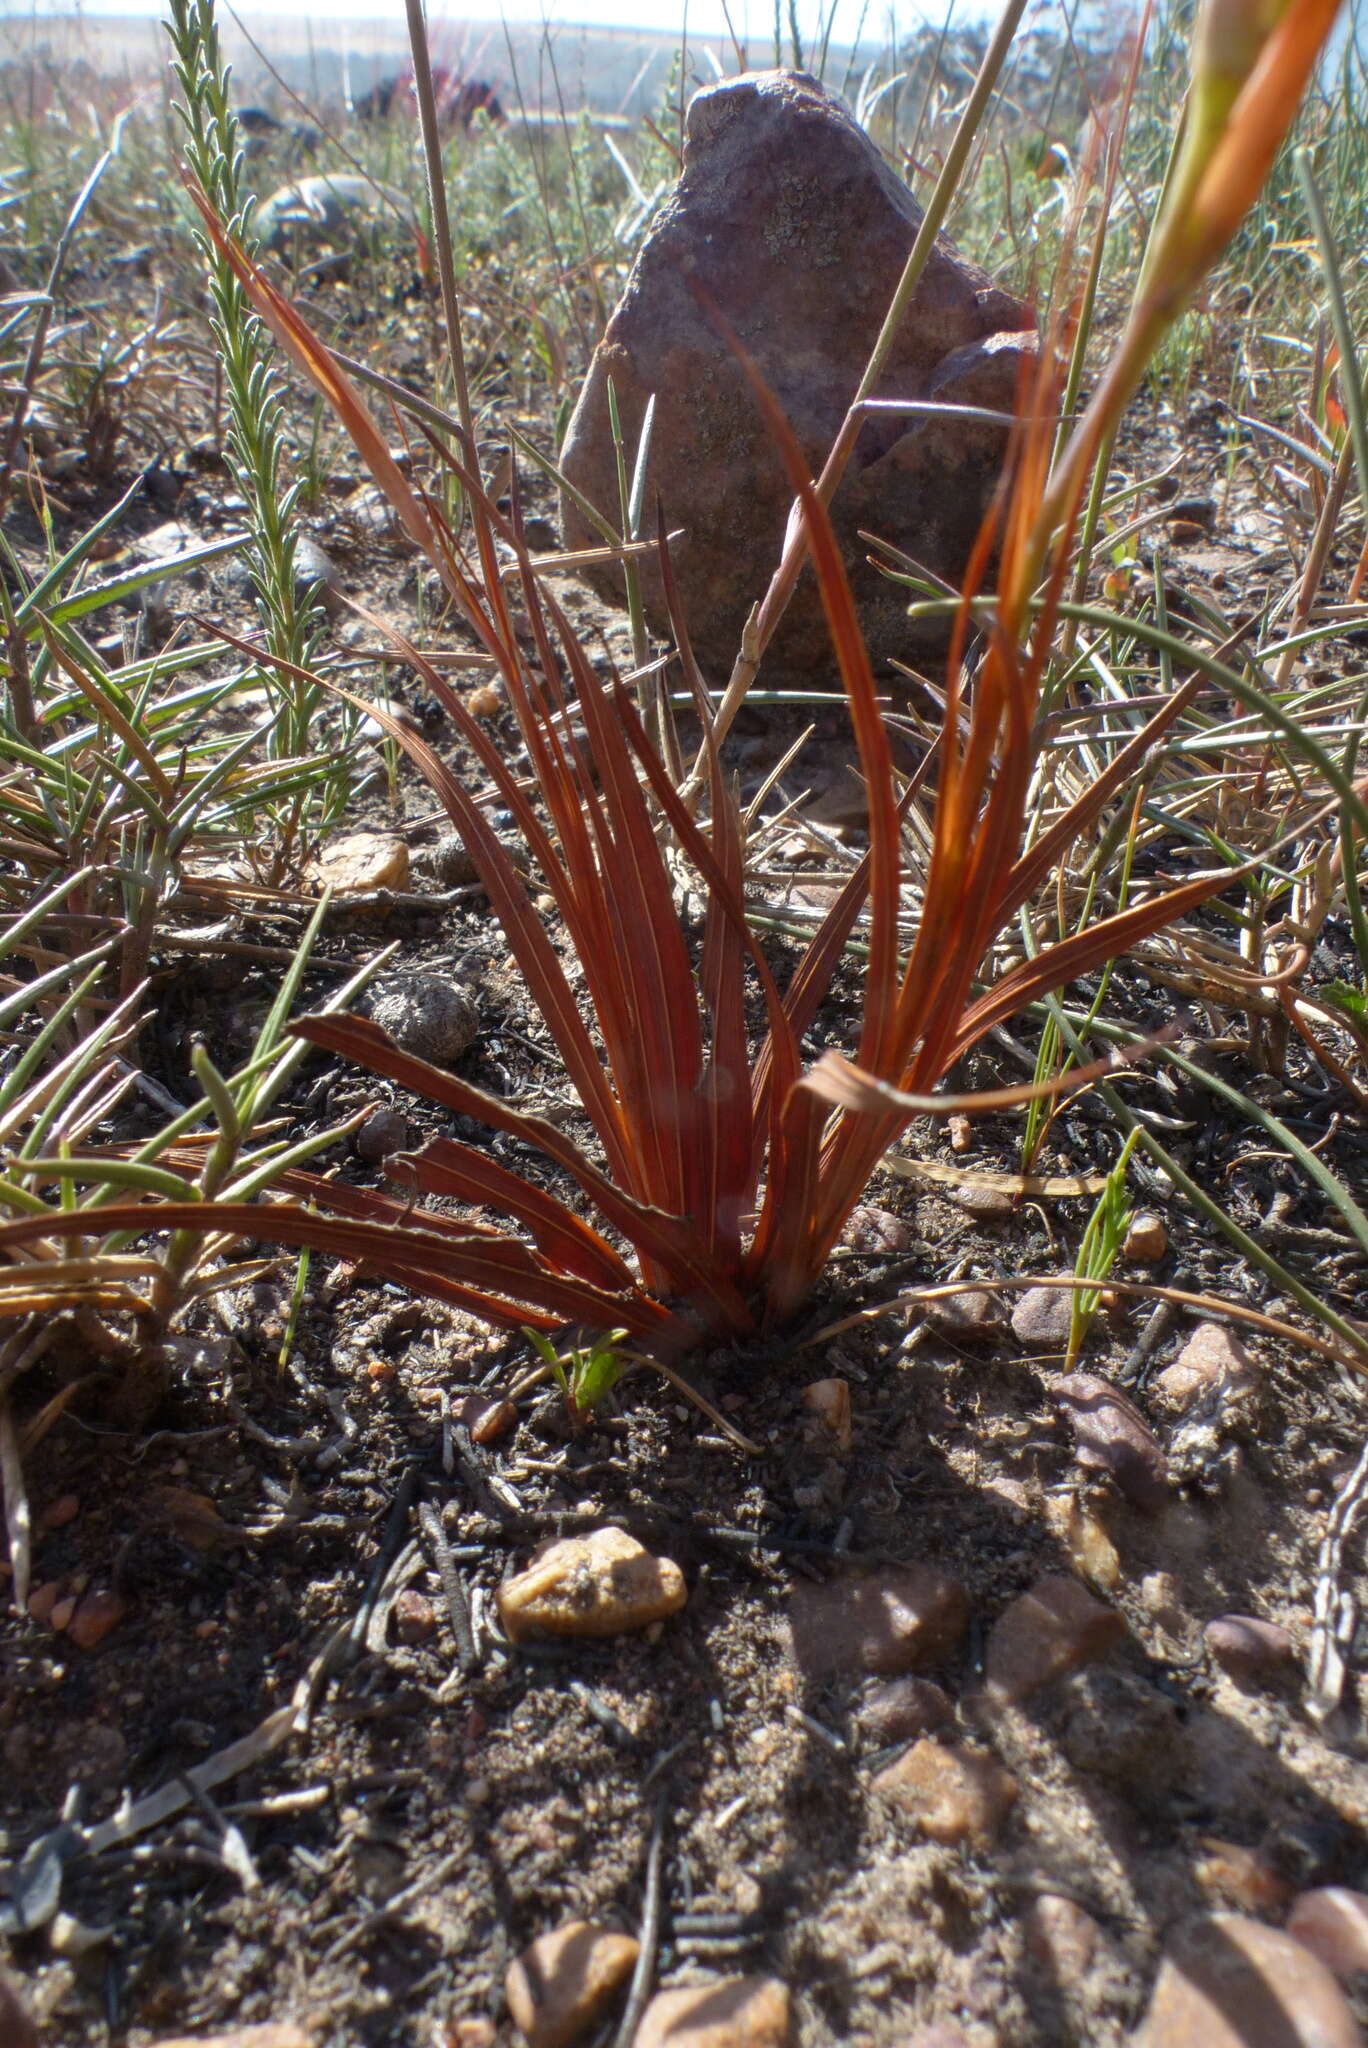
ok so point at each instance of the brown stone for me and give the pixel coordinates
(884, 1622)
(564, 1981)
(17, 2027)
(731, 2012)
(779, 185)
(98, 1614)
(1042, 1317)
(1247, 1648)
(1053, 1629)
(878, 1231)
(973, 1317)
(605, 1584)
(1228, 1982)
(953, 1795)
(415, 1617)
(901, 1708)
(1211, 1358)
(1112, 1436)
(1061, 1935)
(362, 861)
(1146, 1240)
(1333, 1924)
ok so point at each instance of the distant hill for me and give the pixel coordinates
(331, 62)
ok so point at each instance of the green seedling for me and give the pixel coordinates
(586, 1373)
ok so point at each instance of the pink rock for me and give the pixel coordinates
(1212, 1357)
(1333, 1924)
(1245, 1647)
(885, 1622)
(1061, 1936)
(1042, 1317)
(1228, 1982)
(1051, 1630)
(779, 185)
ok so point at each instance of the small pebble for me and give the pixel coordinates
(952, 1795)
(973, 1317)
(486, 700)
(1229, 1982)
(961, 1133)
(1147, 1239)
(987, 1203)
(1240, 1876)
(900, 1709)
(605, 1584)
(1062, 1936)
(828, 1402)
(1112, 1436)
(1246, 1647)
(1333, 1924)
(415, 1617)
(488, 1419)
(1042, 1317)
(43, 1599)
(1053, 1629)
(59, 1512)
(17, 2028)
(1091, 1550)
(874, 1230)
(384, 1132)
(1211, 1358)
(563, 1982)
(315, 575)
(97, 1616)
(728, 2012)
(362, 861)
(428, 1016)
(883, 1622)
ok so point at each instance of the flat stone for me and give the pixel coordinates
(952, 1795)
(605, 1584)
(428, 1015)
(901, 1708)
(361, 861)
(1229, 1982)
(1042, 1317)
(1112, 1436)
(564, 1981)
(315, 575)
(779, 184)
(1333, 1924)
(884, 1622)
(973, 1317)
(731, 2012)
(1053, 1629)
(1211, 1358)
(274, 2034)
(1247, 1648)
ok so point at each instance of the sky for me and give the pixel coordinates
(753, 20)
